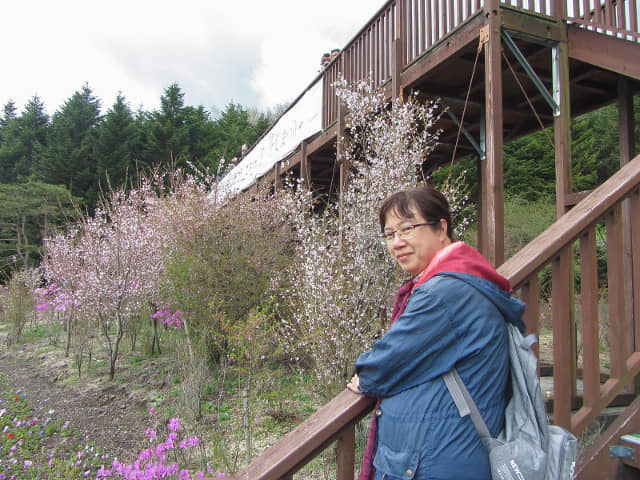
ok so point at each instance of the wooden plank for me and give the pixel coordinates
(621, 24)
(633, 15)
(436, 21)
(608, 13)
(346, 453)
(292, 451)
(590, 324)
(618, 348)
(563, 379)
(450, 15)
(401, 30)
(538, 253)
(429, 20)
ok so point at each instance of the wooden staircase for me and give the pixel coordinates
(576, 230)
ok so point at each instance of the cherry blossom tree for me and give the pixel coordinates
(342, 279)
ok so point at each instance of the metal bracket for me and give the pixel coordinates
(484, 36)
(531, 72)
(623, 453)
(464, 131)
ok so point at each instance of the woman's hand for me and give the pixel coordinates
(354, 384)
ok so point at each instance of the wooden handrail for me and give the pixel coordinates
(297, 448)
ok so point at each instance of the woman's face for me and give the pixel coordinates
(415, 253)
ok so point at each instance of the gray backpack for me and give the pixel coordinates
(527, 448)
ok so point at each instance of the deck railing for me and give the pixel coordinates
(418, 25)
(571, 241)
(336, 420)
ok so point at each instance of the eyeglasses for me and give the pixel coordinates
(406, 231)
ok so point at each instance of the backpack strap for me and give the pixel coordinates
(465, 404)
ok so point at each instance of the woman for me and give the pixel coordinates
(451, 313)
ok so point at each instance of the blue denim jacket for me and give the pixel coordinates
(453, 319)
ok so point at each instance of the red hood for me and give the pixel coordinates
(462, 258)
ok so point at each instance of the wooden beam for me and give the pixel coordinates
(531, 27)
(604, 51)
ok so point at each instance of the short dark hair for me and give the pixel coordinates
(426, 200)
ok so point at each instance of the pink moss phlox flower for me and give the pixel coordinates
(150, 433)
(193, 441)
(174, 424)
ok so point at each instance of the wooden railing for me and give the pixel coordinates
(556, 247)
(403, 30)
(336, 420)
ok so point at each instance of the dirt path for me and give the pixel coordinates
(110, 415)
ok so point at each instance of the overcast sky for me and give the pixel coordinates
(258, 53)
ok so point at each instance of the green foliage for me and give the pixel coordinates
(70, 155)
(22, 140)
(529, 162)
(30, 211)
(117, 145)
(222, 268)
(17, 302)
(525, 220)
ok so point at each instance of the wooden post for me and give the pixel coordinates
(626, 125)
(305, 172)
(493, 177)
(340, 157)
(562, 125)
(564, 383)
(590, 321)
(397, 51)
(277, 181)
(615, 269)
(562, 140)
(346, 453)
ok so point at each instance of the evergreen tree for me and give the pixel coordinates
(24, 138)
(70, 157)
(9, 114)
(234, 127)
(117, 145)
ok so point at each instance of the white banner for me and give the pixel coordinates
(301, 121)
